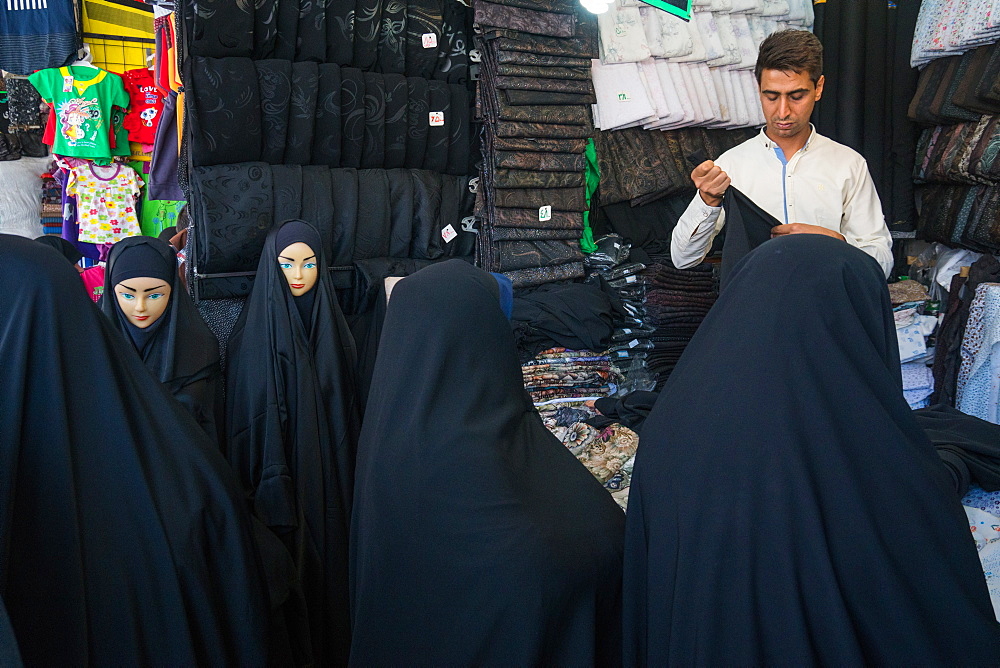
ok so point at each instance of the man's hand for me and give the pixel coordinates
(804, 228)
(711, 182)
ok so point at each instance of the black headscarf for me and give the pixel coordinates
(785, 508)
(292, 424)
(124, 539)
(477, 538)
(61, 246)
(178, 349)
(293, 232)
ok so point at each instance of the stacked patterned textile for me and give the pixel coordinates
(960, 203)
(558, 373)
(979, 374)
(608, 453)
(958, 88)
(947, 27)
(639, 165)
(533, 95)
(324, 114)
(677, 300)
(658, 71)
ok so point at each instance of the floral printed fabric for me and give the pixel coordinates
(558, 373)
(979, 375)
(106, 199)
(609, 454)
(986, 532)
(949, 27)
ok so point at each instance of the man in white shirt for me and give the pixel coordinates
(810, 183)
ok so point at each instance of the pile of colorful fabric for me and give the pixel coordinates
(677, 300)
(608, 452)
(558, 373)
(534, 94)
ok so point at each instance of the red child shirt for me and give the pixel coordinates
(147, 105)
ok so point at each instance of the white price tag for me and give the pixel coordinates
(544, 213)
(436, 118)
(631, 279)
(633, 343)
(68, 84)
(448, 233)
(429, 40)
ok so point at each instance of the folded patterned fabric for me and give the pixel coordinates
(367, 23)
(529, 234)
(326, 146)
(556, 6)
(546, 162)
(286, 184)
(344, 182)
(458, 131)
(310, 38)
(302, 113)
(524, 178)
(541, 130)
(352, 116)
(226, 119)
(562, 114)
(423, 17)
(524, 20)
(527, 58)
(439, 101)
(221, 29)
(529, 219)
(396, 120)
(274, 83)
(579, 46)
(317, 203)
(522, 97)
(418, 108)
(373, 152)
(584, 87)
(544, 72)
(537, 144)
(560, 199)
(391, 58)
(339, 31)
(515, 255)
(523, 278)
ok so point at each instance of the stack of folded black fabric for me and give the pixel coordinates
(610, 268)
(534, 96)
(677, 300)
(957, 163)
(360, 213)
(305, 113)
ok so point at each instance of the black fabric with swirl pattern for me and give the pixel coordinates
(226, 118)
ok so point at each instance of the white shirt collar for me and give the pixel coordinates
(769, 145)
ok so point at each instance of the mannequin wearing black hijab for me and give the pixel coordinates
(477, 538)
(785, 507)
(292, 426)
(124, 539)
(179, 349)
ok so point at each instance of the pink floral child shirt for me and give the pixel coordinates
(106, 199)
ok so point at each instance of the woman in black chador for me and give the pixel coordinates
(292, 423)
(785, 507)
(477, 538)
(124, 537)
(144, 299)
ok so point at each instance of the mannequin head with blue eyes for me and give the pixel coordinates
(143, 299)
(299, 265)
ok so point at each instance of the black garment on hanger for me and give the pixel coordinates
(747, 226)
(126, 539)
(401, 212)
(523, 543)
(374, 226)
(373, 151)
(292, 425)
(302, 113)
(317, 204)
(178, 349)
(286, 183)
(458, 130)
(426, 238)
(274, 82)
(418, 106)
(326, 146)
(344, 187)
(777, 460)
(396, 120)
(969, 446)
(225, 113)
(352, 116)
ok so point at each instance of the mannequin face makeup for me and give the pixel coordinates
(298, 263)
(143, 300)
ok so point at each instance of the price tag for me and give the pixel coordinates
(633, 343)
(67, 84)
(429, 40)
(436, 118)
(624, 97)
(448, 233)
(631, 279)
(544, 213)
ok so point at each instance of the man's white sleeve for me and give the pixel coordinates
(695, 230)
(863, 224)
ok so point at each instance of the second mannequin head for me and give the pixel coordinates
(297, 243)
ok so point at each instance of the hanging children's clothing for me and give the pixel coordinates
(106, 199)
(82, 98)
(147, 105)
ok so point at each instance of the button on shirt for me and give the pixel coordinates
(824, 183)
